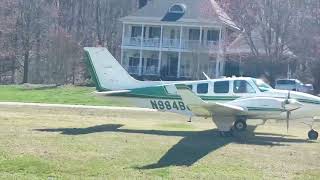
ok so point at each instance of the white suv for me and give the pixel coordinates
(290, 84)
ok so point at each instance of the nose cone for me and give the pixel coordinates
(292, 104)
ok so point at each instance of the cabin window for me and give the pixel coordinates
(202, 88)
(190, 87)
(241, 86)
(221, 87)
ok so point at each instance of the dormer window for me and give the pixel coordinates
(178, 8)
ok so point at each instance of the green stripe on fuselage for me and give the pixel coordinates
(160, 92)
(264, 109)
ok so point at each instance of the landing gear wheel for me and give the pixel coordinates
(313, 135)
(240, 125)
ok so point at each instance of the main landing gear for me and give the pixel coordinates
(239, 125)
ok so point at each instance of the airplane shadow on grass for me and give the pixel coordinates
(192, 147)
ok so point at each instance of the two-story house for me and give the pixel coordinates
(176, 39)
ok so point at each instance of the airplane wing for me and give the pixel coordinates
(224, 115)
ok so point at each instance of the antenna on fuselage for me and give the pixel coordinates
(205, 75)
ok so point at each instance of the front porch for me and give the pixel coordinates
(168, 66)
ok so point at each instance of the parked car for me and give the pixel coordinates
(308, 88)
(294, 85)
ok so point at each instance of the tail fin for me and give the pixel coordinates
(106, 71)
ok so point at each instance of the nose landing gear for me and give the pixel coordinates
(313, 135)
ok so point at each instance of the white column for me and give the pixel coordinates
(141, 45)
(219, 60)
(222, 50)
(160, 50)
(180, 49)
(200, 39)
(122, 44)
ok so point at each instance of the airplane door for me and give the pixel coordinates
(242, 88)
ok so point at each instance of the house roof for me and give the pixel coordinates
(196, 12)
(241, 44)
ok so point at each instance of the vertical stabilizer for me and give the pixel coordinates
(106, 71)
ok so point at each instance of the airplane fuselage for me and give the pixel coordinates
(261, 103)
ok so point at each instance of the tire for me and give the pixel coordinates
(240, 125)
(313, 135)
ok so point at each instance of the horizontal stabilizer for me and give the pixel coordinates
(111, 93)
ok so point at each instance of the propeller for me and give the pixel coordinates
(289, 106)
(288, 111)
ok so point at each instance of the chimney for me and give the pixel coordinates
(142, 3)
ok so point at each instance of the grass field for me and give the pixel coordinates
(51, 143)
(60, 95)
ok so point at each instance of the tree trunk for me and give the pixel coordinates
(26, 67)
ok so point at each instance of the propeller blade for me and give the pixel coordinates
(288, 119)
(289, 94)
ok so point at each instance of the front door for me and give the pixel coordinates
(172, 65)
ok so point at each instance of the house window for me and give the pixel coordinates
(241, 86)
(136, 31)
(213, 35)
(221, 87)
(202, 88)
(194, 34)
(152, 66)
(154, 32)
(178, 8)
(185, 69)
(134, 62)
(142, 3)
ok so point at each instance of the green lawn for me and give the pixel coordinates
(60, 95)
(49, 143)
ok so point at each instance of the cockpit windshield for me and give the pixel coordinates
(262, 85)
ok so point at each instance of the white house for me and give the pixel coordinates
(176, 39)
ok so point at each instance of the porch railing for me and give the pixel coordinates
(172, 43)
(152, 42)
(132, 41)
(151, 70)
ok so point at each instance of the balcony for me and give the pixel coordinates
(136, 42)
(171, 43)
(152, 42)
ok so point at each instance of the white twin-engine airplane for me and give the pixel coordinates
(230, 102)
